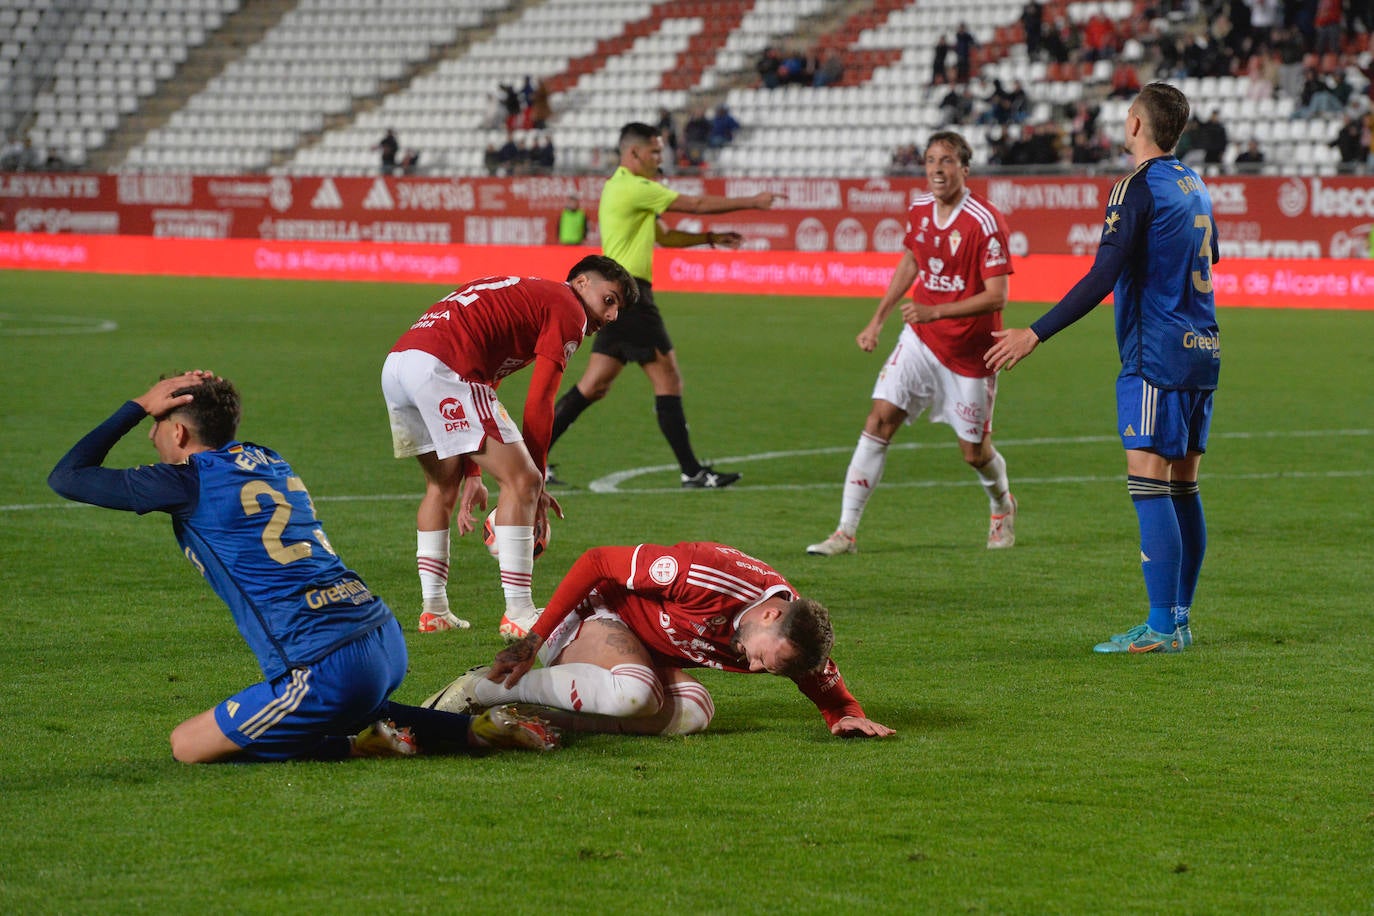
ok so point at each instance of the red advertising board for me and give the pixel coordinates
(1258, 217)
(1321, 283)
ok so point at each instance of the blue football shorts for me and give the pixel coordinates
(1170, 423)
(287, 718)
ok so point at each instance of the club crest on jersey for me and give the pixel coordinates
(936, 265)
(954, 239)
(663, 570)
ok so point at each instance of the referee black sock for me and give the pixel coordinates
(568, 409)
(673, 422)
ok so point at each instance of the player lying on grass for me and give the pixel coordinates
(330, 651)
(624, 623)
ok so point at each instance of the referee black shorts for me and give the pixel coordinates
(638, 334)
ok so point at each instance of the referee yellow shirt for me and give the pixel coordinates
(630, 206)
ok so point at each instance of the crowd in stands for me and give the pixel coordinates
(1314, 52)
(799, 67)
(22, 156)
(523, 153)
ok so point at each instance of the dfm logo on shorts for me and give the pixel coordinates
(452, 411)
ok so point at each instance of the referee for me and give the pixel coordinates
(630, 206)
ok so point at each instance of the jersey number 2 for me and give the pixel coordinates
(278, 549)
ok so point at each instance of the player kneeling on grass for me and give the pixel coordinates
(330, 651)
(625, 621)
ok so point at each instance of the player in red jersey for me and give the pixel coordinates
(958, 260)
(440, 382)
(626, 621)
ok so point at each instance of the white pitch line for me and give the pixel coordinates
(65, 325)
(608, 485)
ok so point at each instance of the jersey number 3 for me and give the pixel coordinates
(1202, 279)
(278, 549)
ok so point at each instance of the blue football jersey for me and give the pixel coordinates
(1160, 216)
(253, 534)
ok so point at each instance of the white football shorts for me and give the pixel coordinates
(916, 381)
(593, 609)
(434, 409)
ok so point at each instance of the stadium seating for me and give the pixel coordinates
(316, 92)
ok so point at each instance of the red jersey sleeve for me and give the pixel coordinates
(826, 688)
(601, 569)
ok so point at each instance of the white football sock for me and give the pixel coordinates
(515, 552)
(624, 691)
(687, 710)
(993, 477)
(431, 559)
(861, 479)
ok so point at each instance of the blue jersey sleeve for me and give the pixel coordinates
(1086, 293)
(171, 488)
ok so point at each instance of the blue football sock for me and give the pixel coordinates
(1192, 528)
(1160, 548)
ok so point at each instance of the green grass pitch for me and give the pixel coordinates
(1029, 775)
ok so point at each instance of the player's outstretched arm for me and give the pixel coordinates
(859, 727)
(902, 278)
(512, 662)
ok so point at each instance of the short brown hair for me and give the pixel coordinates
(954, 139)
(1167, 111)
(609, 269)
(214, 411)
(634, 134)
(806, 624)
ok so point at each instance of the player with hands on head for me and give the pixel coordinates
(626, 621)
(330, 651)
(956, 265)
(631, 203)
(439, 382)
(1157, 248)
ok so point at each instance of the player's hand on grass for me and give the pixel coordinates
(1012, 346)
(511, 663)
(856, 727)
(158, 401)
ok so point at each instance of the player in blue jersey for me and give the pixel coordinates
(331, 652)
(1158, 246)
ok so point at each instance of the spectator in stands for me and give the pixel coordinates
(1211, 138)
(572, 223)
(491, 160)
(906, 160)
(999, 106)
(1084, 117)
(410, 162)
(1044, 144)
(1319, 96)
(388, 146)
(1018, 103)
(508, 156)
(1265, 15)
(11, 154)
(1100, 41)
(769, 67)
(1289, 45)
(696, 136)
(795, 69)
(1032, 24)
(831, 70)
(539, 110)
(526, 92)
(1060, 41)
(964, 43)
(543, 157)
(1328, 23)
(1087, 148)
(1351, 144)
(1251, 158)
(667, 129)
(999, 147)
(1262, 74)
(939, 63)
(723, 127)
(1125, 81)
(956, 107)
(510, 100)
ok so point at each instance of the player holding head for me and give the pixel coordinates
(1158, 245)
(956, 255)
(440, 382)
(330, 651)
(626, 621)
(631, 202)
